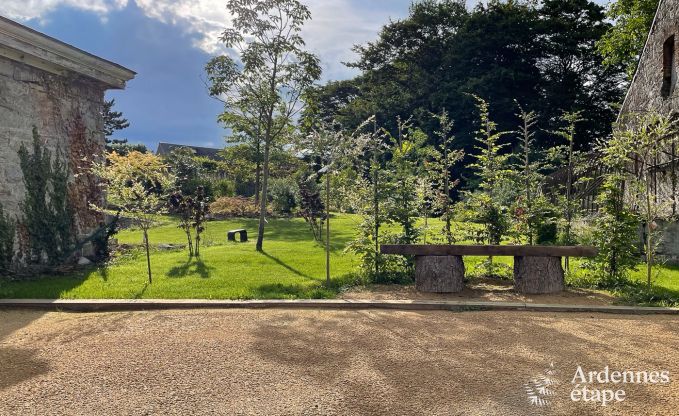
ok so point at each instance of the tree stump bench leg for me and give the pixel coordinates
(439, 274)
(538, 275)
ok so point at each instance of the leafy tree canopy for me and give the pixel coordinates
(624, 41)
(542, 54)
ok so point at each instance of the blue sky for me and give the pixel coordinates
(168, 42)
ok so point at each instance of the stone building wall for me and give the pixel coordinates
(67, 112)
(645, 92)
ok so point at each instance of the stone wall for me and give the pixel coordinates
(65, 109)
(645, 91)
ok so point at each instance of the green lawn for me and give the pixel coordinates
(292, 266)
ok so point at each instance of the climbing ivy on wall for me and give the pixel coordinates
(7, 232)
(47, 214)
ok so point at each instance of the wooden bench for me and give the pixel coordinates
(231, 235)
(537, 269)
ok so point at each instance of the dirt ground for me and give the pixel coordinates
(482, 290)
(312, 362)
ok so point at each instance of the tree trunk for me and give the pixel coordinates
(190, 242)
(197, 250)
(148, 254)
(263, 198)
(327, 232)
(439, 274)
(258, 174)
(538, 275)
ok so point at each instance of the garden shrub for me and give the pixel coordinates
(245, 189)
(311, 207)
(237, 206)
(193, 186)
(547, 233)
(283, 195)
(224, 187)
(7, 233)
(48, 216)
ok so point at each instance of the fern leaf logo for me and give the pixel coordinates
(542, 387)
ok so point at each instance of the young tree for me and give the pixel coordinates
(137, 186)
(266, 85)
(489, 204)
(649, 136)
(370, 193)
(328, 147)
(534, 213)
(401, 177)
(445, 157)
(573, 165)
(616, 226)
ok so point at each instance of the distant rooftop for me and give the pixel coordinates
(165, 149)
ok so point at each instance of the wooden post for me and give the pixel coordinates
(538, 275)
(439, 274)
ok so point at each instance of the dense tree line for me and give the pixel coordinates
(543, 54)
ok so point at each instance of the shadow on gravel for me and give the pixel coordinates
(18, 364)
(422, 363)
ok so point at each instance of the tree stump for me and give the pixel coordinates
(439, 274)
(538, 275)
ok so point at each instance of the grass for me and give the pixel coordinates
(292, 266)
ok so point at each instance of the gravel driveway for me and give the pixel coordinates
(311, 362)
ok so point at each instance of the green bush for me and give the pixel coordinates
(547, 233)
(283, 195)
(224, 187)
(7, 232)
(190, 187)
(246, 189)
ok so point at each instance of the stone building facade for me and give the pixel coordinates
(655, 84)
(655, 88)
(59, 89)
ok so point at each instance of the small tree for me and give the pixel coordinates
(137, 187)
(648, 138)
(274, 71)
(329, 148)
(401, 175)
(533, 212)
(616, 227)
(183, 207)
(445, 157)
(371, 140)
(489, 204)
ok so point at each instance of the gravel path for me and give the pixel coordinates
(486, 290)
(309, 362)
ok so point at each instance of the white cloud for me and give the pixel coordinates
(39, 9)
(335, 27)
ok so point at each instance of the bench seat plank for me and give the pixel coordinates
(515, 251)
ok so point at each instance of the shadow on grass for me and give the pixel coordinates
(286, 266)
(296, 230)
(140, 294)
(292, 291)
(193, 266)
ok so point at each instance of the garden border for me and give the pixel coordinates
(112, 305)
